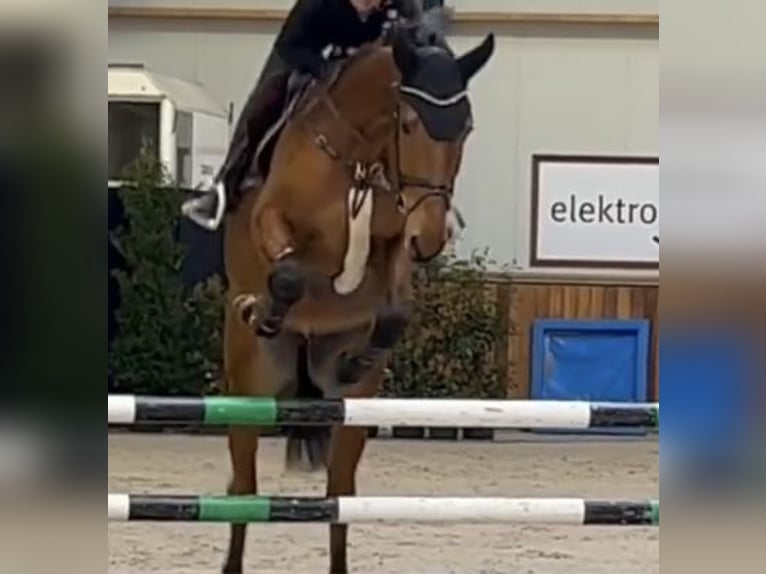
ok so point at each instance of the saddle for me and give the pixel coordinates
(298, 92)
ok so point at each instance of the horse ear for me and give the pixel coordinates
(473, 61)
(405, 53)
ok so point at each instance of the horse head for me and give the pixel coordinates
(433, 121)
(404, 108)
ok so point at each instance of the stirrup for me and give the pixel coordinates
(209, 223)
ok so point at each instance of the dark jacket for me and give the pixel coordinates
(312, 25)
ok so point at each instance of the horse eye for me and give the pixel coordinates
(409, 124)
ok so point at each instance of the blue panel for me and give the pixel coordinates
(591, 360)
(710, 405)
(589, 366)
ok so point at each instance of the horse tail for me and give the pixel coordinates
(307, 446)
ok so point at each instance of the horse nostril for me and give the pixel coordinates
(415, 253)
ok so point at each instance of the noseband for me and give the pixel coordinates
(443, 191)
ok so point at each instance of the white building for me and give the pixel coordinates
(187, 127)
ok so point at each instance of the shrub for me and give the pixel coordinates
(449, 348)
(169, 339)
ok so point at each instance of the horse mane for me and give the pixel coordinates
(364, 52)
(339, 69)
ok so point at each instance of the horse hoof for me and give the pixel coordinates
(269, 329)
(246, 306)
(390, 324)
(286, 282)
(351, 368)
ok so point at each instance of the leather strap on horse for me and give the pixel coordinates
(401, 180)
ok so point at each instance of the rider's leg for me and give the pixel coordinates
(282, 88)
(208, 209)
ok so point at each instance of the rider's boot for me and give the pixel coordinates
(261, 110)
(208, 209)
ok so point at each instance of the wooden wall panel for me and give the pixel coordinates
(527, 301)
(476, 17)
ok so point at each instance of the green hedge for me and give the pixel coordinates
(449, 348)
(169, 336)
(169, 339)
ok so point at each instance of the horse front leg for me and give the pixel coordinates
(346, 448)
(390, 322)
(388, 328)
(286, 282)
(241, 360)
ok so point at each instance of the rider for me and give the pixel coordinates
(297, 58)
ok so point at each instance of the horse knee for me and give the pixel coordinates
(390, 324)
(287, 282)
(286, 285)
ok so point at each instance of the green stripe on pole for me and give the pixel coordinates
(240, 509)
(655, 512)
(238, 410)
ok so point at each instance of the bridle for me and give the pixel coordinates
(370, 171)
(445, 190)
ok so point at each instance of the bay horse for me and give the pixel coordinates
(319, 259)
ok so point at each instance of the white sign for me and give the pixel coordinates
(590, 211)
